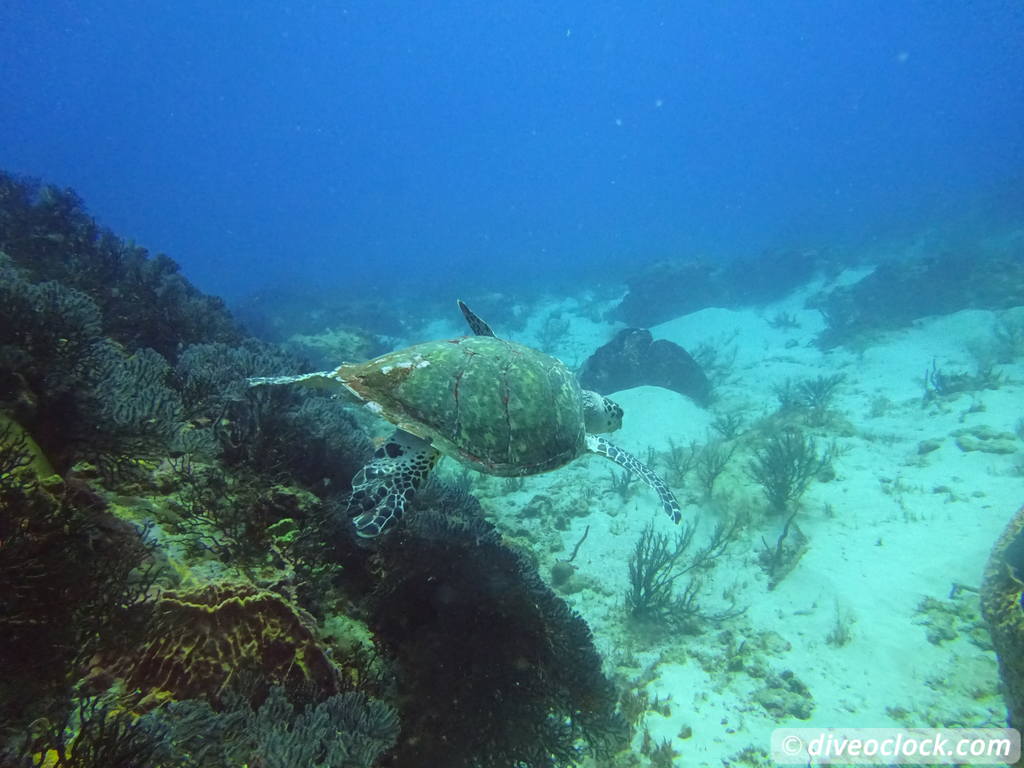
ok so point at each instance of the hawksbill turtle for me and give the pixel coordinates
(499, 407)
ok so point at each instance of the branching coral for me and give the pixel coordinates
(15, 456)
(211, 376)
(221, 513)
(71, 578)
(135, 399)
(657, 564)
(779, 560)
(81, 395)
(88, 327)
(711, 462)
(132, 411)
(48, 332)
(940, 384)
(270, 429)
(97, 733)
(494, 669)
(784, 464)
(50, 344)
(808, 401)
(346, 730)
(246, 522)
(143, 301)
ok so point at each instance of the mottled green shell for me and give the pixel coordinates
(501, 407)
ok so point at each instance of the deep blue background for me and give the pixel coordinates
(374, 141)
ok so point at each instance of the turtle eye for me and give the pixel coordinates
(614, 411)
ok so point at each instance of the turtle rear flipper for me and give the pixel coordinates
(381, 489)
(626, 460)
(318, 380)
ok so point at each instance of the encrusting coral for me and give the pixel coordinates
(198, 641)
(1003, 609)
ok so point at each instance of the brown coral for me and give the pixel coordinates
(1001, 593)
(199, 641)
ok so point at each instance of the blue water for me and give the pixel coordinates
(386, 145)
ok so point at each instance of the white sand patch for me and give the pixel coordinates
(570, 328)
(897, 525)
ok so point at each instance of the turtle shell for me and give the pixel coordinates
(503, 408)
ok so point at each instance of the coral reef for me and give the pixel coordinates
(633, 358)
(269, 429)
(958, 616)
(178, 582)
(901, 291)
(197, 642)
(783, 696)
(50, 349)
(142, 301)
(669, 289)
(97, 733)
(282, 314)
(1002, 607)
(72, 576)
(133, 412)
(938, 384)
(784, 465)
(122, 390)
(237, 516)
(657, 563)
(493, 668)
(346, 730)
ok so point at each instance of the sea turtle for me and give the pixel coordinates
(499, 407)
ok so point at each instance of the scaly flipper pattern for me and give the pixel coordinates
(597, 444)
(381, 489)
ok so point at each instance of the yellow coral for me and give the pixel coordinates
(200, 640)
(40, 465)
(1001, 592)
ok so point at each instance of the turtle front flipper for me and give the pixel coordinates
(381, 489)
(626, 460)
(476, 325)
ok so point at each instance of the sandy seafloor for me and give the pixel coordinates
(896, 527)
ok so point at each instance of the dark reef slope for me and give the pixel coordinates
(179, 585)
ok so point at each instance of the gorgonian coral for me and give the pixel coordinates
(494, 669)
(143, 301)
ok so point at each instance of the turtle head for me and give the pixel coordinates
(600, 414)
